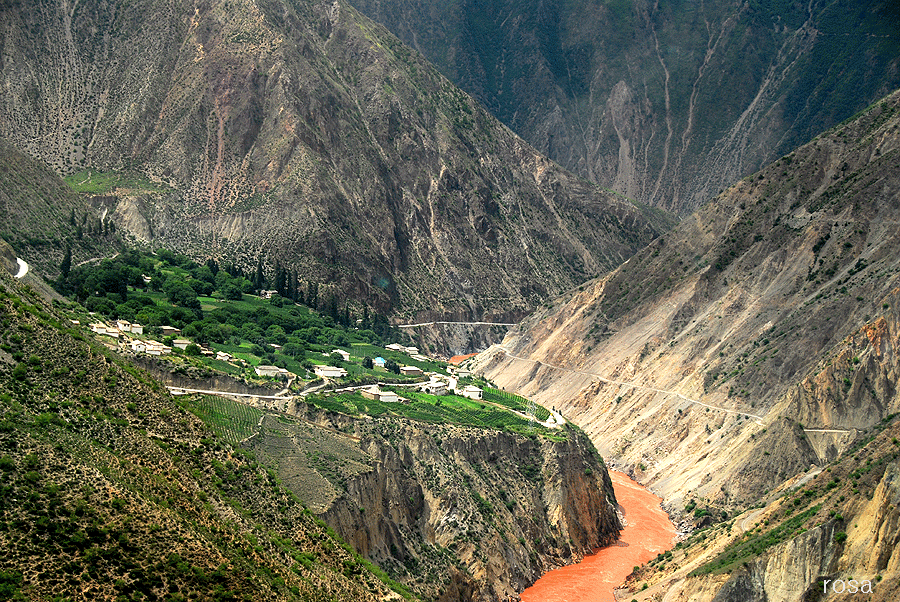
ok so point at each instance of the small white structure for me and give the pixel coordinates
(461, 372)
(378, 363)
(181, 343)
(344, 354)
(434, 387)
(271, 371)
(123, 325)
(224, 357)
(169, 330)
(411, 350)
(267, 294)
(138, 346)
(419, 357)
(330, 372)
(411, 371)
(98, 327)
(472, 392)
(137, 329)
(395, 347)
(377, 394)
(388, 397)
(156, 348)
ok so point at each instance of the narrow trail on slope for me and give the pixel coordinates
(602, 378)
(456, 323)
(681, 396)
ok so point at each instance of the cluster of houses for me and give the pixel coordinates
(121, 327)
(120, 332)
(437, 385)
(411, 351)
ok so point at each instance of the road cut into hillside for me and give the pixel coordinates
(648, 532)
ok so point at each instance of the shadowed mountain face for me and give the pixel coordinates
(665, 102)
(298, 131)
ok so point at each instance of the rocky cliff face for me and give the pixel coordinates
(667, 103)
(456, 512)
(301, 132)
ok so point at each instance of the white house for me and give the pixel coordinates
(434, 387)
(123, 325)
(411, 371)
(344, 354)
(388, 397)
(330, 372)
(181, 343)
(378, 363)
(461, 372)
(411, 350)
(225, 357)
(156, 348)
(99, 327)
(271, 371)
(377, 394)
(137, 329)
(472, 392)
(169, 330)
(138, 346)
(394, 347)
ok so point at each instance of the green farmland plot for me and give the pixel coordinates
(231, 420)
(515, 402)
(443, 409)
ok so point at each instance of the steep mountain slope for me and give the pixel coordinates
(110, 490)
(710, 362)
(665, 102)
(40, 215)
(298, 131)
(833, 534)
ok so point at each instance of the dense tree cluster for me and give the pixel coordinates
(122, 287)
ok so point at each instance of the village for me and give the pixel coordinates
(124, 334)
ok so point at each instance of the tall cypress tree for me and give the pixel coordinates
(259, 280)
(64, 268)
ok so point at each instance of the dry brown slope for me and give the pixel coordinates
(734, 308)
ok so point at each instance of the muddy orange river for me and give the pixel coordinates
(648, 533)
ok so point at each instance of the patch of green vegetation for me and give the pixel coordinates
(91, 181)
(213, 307)
(752, 544)
(438, 409)
(231, 420)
